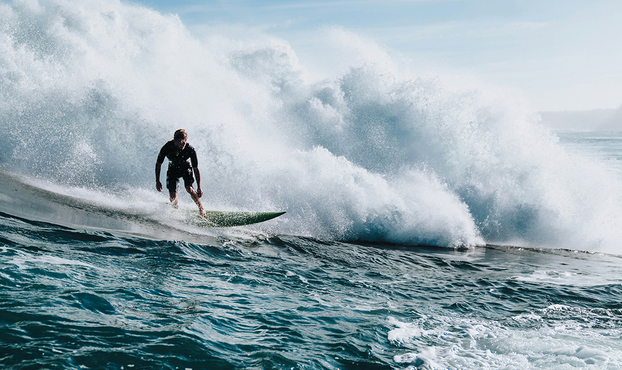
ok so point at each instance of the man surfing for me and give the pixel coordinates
(178, 152)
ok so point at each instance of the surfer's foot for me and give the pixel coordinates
(175, 204)
(202, 212)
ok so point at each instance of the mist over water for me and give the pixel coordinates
(90, 91)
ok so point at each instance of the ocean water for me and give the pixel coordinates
(605, 146)
(76, 298)
(431, 222)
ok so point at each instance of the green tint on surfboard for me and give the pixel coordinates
(231, 218)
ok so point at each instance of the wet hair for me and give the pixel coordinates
(180, 134)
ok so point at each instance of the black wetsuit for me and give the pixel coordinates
(178, 165)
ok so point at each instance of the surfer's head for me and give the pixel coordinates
(180, 134)
(180, 138)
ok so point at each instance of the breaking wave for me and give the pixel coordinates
(89, 92)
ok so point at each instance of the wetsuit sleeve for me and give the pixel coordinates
(162, 154)
(193, 159)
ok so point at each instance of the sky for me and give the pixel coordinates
(562, 54)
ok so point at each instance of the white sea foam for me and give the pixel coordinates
(24, 261)
(454, 342)
(570, 278)
(90, 91)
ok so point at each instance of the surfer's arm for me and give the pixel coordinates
(195, 168)
(158, 168)
(197, 175)
(165, 149)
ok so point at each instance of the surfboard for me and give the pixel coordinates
(230, 218)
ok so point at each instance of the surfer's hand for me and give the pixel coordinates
(199, 192)
(159, 185)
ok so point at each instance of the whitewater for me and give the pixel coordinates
(432, 221)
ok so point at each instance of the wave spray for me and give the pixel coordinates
(90, 91)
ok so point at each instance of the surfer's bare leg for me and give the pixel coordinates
(195, 197)
(173, 199)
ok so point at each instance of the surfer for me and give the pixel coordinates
(178, 152)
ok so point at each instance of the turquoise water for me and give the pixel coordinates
(76, 298)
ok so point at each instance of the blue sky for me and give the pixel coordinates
(564, 55)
